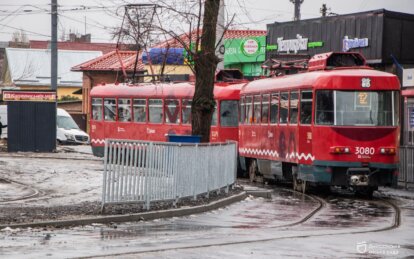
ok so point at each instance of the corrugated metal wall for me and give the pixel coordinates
(31, 126)
(387, 32)
(331, 31)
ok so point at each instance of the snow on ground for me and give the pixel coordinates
(72, 175)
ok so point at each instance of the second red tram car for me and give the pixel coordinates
(336, 124)
(151, 111)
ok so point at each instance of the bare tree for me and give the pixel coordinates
(205, 63)
(190, 24)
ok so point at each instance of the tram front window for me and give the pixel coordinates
(229, 113)
(357, 108)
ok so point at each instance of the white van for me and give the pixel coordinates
(67, 131)
(3, 119)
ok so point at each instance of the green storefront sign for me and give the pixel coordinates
(247, 50)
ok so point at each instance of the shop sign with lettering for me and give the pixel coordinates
(244, 50)
(348, 44)
(292, 45)
(29, 96)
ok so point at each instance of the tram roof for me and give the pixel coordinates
(161, 90)
(335, 79)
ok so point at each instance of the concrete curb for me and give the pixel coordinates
(135, 217)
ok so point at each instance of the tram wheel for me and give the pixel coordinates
(253, 170)
(298, 184)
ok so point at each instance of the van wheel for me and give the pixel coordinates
(253, 170)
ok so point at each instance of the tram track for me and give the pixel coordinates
(322, 203)
(33, 191)
(50, 157)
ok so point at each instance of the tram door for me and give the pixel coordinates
(305, 130)
(409, 124)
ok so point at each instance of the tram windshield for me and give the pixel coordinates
(229, 113)
(357, 108)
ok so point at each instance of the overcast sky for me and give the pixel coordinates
(32, 16)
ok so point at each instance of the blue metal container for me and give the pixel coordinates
(184, 138)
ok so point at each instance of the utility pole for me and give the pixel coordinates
(324, 10)
(53, 48)
(297, 4)
(219, 36)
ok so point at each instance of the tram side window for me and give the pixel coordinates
(214, 117)
(242, 110)
(306, 107)
(186, 111)
(324, 107)
(293, 107)
(124, 110)
(155, 110)
(110, 109)
(249, 110)
(140, 110)
(274, 108)
(265, 108)
(284, 105)
(256, 107)
(172, 111)
(96, 109)
(229, 113)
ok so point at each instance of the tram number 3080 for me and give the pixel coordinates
(364, 151)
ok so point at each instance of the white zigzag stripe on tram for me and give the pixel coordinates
(274, 153)
(98, 141)
(252, 151)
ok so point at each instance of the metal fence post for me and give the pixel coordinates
(193, 173)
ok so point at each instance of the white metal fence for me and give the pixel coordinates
(406, 165)
(138, 171)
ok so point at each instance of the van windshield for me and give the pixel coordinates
(66, 123)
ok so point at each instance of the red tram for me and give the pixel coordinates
(150, 111)
(334, 125)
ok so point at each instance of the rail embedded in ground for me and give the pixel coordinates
(144, 172)
(406, 176)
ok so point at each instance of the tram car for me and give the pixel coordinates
(153, 111)
(337, 124)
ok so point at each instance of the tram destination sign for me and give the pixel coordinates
(29, 96)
